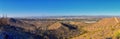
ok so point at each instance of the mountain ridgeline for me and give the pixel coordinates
(11, 28)
(105, 28)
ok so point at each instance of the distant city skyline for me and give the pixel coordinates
(21, 8)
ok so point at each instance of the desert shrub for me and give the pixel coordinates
(117, 34)
(109, 38)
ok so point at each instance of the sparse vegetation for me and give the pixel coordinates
(40, 31)
(37, 29)
(117, 34)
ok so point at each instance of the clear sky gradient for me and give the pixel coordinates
(59, 7)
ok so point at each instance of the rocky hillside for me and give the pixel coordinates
(11, 28)
(104, 29)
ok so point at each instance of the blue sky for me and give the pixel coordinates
(59, 7)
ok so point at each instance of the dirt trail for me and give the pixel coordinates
(116, 19)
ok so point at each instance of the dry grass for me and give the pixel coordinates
(55, 26)
(103, 29)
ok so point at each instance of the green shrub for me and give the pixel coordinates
(117, 34)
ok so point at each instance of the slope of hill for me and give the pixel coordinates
(55, 26)
(104, 23)
(103, 29)
(12, 32)
(32, 29)
(20, 23)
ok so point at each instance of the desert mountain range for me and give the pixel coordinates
(104, 28)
